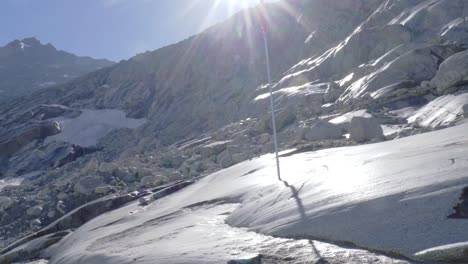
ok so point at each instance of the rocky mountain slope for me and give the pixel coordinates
(27, 66)
(346, 72)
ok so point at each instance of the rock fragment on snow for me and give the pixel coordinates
(365, 128)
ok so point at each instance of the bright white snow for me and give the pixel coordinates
(393, 196)
(91, 125)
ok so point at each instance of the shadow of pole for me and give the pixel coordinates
(300, 206)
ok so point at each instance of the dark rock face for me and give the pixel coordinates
(27, 66)
(461, 209)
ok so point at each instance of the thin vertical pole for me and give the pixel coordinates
(272, 106)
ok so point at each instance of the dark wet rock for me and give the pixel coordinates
(461, 209)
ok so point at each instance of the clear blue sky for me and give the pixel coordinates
(111, 29)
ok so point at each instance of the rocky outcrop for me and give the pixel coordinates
(365, 129)
(465, 110)
(5, 203)
(14, 140)
(87, 185)
(322, 130)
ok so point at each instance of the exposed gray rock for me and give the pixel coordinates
(35, 211)
(365, 128)
(15, 139)
(42, 157)
(147, 181)
(452, 72)
(322, 130)
(240, 157)
(264, 138)
(456, 31)
(224, 159)
(213, 148)
(284, 117)
(108, 169)
(35, 224)
(88, 184)
(172, 161)
(332, 93)
(45, 111)
(125, 175)
(465, 110)
(103, 189)
(91, 167)
(5, 203)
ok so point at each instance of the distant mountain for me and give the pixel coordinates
(28, 65)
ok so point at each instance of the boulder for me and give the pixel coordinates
(240, 157)
(148, 181)
(107, 169)
(284, 117)
(365, 128)
(332, 93)
(322, 130)
(103, 189)
(34, 211)
(91, 167)
(224, 159)
(465, 110)
(452, 72)
(264, 138)
(19, 137)
(88, 184)
(125, 175)
(213, 148)
(5, 203)
(172, 160)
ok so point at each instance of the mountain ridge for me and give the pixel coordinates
(27, 65)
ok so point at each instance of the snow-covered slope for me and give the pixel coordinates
(393, 197)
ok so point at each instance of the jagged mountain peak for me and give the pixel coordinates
(27, 65)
